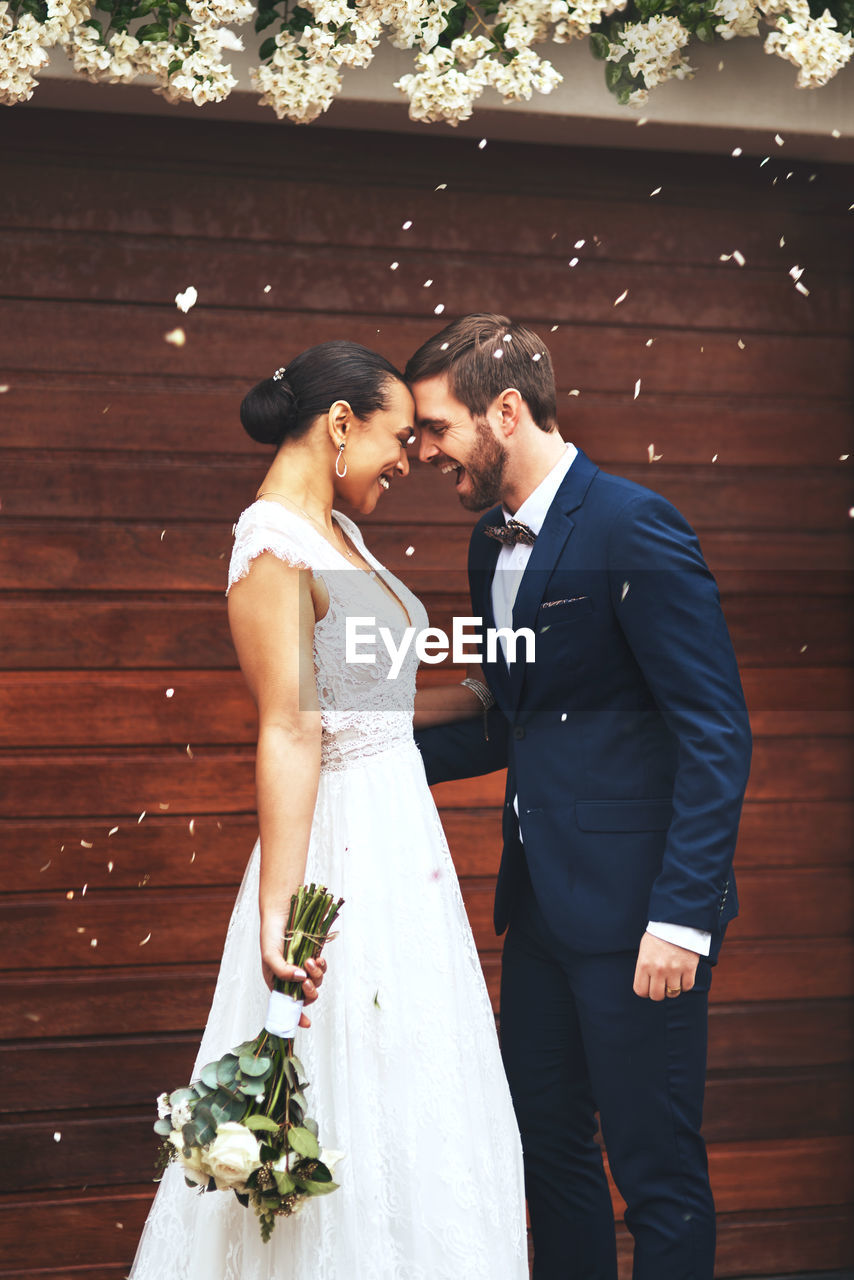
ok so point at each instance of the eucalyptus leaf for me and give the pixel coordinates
(226, 1069)
(304, 1142)
(251, 1066)
(163, 1127)
(182, 1095)
(311, 1124)
(253, 1088)
(208, 1075)
(261, 1123)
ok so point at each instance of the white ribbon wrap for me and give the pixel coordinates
(283, 1015)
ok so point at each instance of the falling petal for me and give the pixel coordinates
(4, 387)
(110, 866)
(481, 144)
(656, 192)
(112, 831)
(536, 356)
(778, 139)
(443, 186)
(85, 844)
(140, 818)
(653, 456)
(46, 865)
(737, 151)
(93, 942)
(554, 328)
(192, 826)
(163, 806)
(741, 344)
(782, 242)
(394, 266)
(739, 257)
(573, 262)
(643, 120)
(624, 592)
(563, 717)
(267, 288)
(803, 648)
(637, 389)
(410, 551)
(83, 890)
(714, 457)
(437, 311)
(184, 301)
(834, 133)
(498, 353)
(427, 284)
(796, 272)
(162, 535)
(176, 337)
(843, 457)
(574, 392)
(801, 288)
(444, 346)
(57, 1137)
(189, 751)
(579, 244)
(621, 298)
(763, 162)
(147, 938)
(193, 856)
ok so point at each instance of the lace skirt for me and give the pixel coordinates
(403, 1060)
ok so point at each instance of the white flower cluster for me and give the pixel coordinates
(657, 46)
(303, 75)
(738, 18)
(814, 45)
(24, 45)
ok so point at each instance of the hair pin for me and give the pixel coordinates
(279, 374)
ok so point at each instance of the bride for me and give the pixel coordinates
(403, 1059)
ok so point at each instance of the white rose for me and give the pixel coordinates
(164, 1108)
(232, 1156)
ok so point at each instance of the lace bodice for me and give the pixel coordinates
(365, 710)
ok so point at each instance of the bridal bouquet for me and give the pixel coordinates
(243, 1125)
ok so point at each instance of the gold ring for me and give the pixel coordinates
(673, 991)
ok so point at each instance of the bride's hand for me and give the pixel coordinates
(274, 965)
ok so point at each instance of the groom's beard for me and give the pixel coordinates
(485, 469)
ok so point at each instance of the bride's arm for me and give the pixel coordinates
(271, 615)
(447, 703)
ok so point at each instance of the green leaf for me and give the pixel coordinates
(613, 75)
(297, 1065)
(311, 1125)
(265, 17)
(268, 48)
(600, 46)
(163, 1127)
(284, 1182)
(226, 1069)
(181, 32)
(154, 31)
(316, 1188)
(175, 65)
(208, 1075)
(253, 1088)
(182, 1095)
(261, 1122)
(304, 1142)
(252, 1067)
(144, 7)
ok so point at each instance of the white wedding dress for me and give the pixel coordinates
(403, 1059)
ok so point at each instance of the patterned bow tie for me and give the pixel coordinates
(510, 533)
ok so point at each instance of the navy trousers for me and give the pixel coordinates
(576, 1039)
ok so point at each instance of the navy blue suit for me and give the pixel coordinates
(628, 745)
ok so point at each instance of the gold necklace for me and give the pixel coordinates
(269, 493)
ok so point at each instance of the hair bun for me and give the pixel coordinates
(269, 411)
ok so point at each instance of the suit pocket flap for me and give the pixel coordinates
(623, 815)
(553, 612)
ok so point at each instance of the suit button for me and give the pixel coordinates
(518, 733)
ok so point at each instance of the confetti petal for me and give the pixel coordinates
(637, 389)
(437, 311)
(406, 226)
(176, 337)
(624, 592)
(146, 939)
(621, 298)
(184, 301)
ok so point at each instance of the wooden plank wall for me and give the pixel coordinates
(123, 468)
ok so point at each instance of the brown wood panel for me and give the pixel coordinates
(123, 199)
(84, 266)
(70, 631)
(44, 855)
(150, 487)
(106, 1073)
(61, 708)
(80, 336)
(127, 781)
(193, 555)
(189, 417)
(115, 926)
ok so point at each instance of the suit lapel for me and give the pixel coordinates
(551, 540)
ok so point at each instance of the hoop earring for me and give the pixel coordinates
(341, 458)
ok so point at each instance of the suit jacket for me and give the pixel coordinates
(626, 737)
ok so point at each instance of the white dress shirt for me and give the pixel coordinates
(509, 568)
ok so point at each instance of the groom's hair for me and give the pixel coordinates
(483, 355)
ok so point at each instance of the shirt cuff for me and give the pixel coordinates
(682, 935)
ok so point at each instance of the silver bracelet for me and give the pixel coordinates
(484, 697)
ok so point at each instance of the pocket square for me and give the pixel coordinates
(550, 604)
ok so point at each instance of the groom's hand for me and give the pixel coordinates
(663, 969)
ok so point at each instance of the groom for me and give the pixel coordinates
(628, 749)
